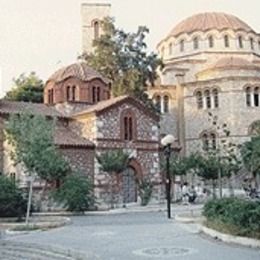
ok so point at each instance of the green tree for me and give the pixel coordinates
(122, 57)
(12, 202)
(76, 192)
(26, 88)
(113, 163)
(32, 140)
(250, 152)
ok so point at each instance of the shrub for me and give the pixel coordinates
(76, 193)
(238, 216)
(145, 189)
(12, 202)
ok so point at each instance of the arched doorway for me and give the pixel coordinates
(129, 185)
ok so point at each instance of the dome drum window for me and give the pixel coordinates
(211, 41)
(240, 42)
(207, 99)
(252, 43)
(196, 43)
(226, 41)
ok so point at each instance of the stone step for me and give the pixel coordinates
(10, 250)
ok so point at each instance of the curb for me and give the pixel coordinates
(244, 241)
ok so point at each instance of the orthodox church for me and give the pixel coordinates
(211, 65)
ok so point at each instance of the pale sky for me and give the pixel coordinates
(43, 35)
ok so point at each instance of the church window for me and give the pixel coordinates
(170, 49)
(158, 103)
(226, 41)
(205, 142)
(68, 93)
(248, 96)
(211, 41)
(195, 43)
(208, 98)
(96, 30)
(128, 127)
(50, 96)
(181, 45)
(259, 45)
(215, 97)
(240, 42)
(252, 43)
(256, 97)
(73, 93)
(166, 104)
(199, 100)
(98, 94)
(94, 94)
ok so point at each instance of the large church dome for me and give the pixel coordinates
(208, 21)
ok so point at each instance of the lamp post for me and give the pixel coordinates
(166, 143)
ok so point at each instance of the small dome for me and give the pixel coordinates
(77, 70)
(209, 21)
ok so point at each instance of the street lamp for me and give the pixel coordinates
(166, 142)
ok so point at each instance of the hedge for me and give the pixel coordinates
(233, 215)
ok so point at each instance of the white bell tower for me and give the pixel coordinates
(92, 14)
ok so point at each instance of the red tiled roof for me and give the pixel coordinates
(106, 104)
(208, 21)
(65, 137)
(78, 70)
(14, 107)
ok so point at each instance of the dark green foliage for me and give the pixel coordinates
(76, 193)
(113, 161)
(241, 217)
(26, 88)
(122, 57)
(32, 139)
(145, 190)
(12, 202)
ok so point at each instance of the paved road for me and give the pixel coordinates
(138, 236)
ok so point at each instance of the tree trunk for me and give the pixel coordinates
(112, 191)
(29, 201)
(230, 187)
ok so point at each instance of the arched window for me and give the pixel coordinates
(68, 93)
(240, 42)
(94, 94)
(98, 94)
(259, 45)
(226, 41)
(128, 126)
(208, 99)
(96, 30)
(199, 99)
(256, 97)
(73, 93)
(195, 43)
(170, 49)
(166, 104)
(248, 96)
(181, 45)
(252, 43)
(158, 103)
(50, 96)
(211, 41)
(215, 97)
(205, 142)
